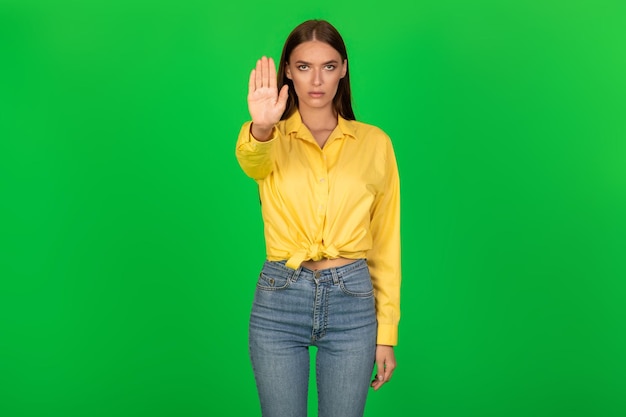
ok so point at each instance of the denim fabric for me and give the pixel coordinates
(332, 309)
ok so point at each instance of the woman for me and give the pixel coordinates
(329, 194)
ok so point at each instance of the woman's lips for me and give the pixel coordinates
(316, 94)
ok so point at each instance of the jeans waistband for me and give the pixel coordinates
(279, 269)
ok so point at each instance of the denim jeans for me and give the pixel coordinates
(332, 309)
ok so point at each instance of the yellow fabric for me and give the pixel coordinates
(342, 200)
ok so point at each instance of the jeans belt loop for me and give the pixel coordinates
(335, 275)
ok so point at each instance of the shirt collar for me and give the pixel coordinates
(293, 124)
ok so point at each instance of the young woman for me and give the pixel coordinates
(329, 194)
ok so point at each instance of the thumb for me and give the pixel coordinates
(380, 371)
(283, 95)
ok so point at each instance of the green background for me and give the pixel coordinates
(130, 240)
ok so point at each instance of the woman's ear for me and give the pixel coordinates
(287, 71)
(345, 68)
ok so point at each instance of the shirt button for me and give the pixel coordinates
(322, 179)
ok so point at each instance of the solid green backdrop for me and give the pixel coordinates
(130, 240)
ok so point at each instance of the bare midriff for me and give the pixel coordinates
(327, 263)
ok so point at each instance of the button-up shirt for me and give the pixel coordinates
(342, 200)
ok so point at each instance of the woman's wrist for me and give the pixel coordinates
(261, 133)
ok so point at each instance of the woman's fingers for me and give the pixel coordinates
(265, 72)
(263, 75)
(258, 75)
(272, 73)
(252, 81)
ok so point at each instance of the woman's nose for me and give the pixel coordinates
(317, 77)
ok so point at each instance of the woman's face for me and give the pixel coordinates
(315, 69)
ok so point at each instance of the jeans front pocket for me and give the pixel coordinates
(357, 283)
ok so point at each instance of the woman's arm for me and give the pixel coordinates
(266, 106)
(384, 263)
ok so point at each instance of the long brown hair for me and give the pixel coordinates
(322, 31)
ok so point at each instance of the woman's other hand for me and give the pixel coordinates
(385, 365)
(265, 103)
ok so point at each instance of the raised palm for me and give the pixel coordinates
(265, 103)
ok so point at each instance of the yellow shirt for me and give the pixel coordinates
(342, 200)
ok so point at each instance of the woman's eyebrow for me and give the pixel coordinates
(300, 62)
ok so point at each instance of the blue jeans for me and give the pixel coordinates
(332, 309)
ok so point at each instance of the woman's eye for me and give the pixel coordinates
(330, 67)
(303, 67)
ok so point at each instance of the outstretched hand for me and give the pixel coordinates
(265, 103)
